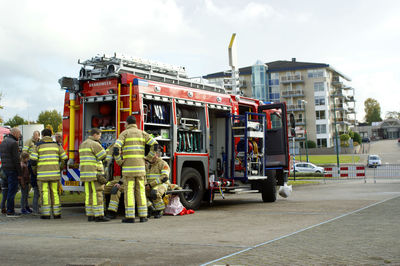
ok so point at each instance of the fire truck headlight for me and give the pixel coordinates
(111, 91)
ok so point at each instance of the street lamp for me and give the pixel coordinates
(336, 135)
(305, 127)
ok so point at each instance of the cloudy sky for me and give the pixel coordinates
(41, 41)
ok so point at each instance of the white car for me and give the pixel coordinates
(307, 168)
(374, 161)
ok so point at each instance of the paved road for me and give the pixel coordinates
(388, 150)
(352, 235)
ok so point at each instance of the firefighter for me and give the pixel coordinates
(47, 155)
(91, 154)
(157, 175)
(129, 153)
(114, 186)
(28, 147)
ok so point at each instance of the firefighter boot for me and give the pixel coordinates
(143, 219)
(111, 215)
(128, 220)
(157, 214)
(101, 219)
(57, 216)
(90, 218)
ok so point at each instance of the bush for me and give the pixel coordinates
(357, 137)
(311, 144)
(344, 137)
(355, 143)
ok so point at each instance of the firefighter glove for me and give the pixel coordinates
(165, 179)
(153, 194)
(114, 190)
(115, 151)
(33, 162)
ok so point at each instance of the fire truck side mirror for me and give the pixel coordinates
(292, 121)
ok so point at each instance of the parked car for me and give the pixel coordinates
(374, 161)
(365, 140)
(303, 167)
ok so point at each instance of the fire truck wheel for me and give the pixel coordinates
(191, 179)
(268, 189)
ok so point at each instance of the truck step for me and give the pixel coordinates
(241, 191)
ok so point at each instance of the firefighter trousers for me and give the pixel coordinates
(114, 198)
(49, 198)
(157, 203)
(135, 191)
(94, 199)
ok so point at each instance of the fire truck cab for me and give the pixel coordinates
(214, 142)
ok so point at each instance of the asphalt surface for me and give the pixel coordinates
(346, 222)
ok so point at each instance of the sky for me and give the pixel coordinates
(41, 41)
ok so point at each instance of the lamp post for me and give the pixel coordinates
(336, 136)
(305, 127)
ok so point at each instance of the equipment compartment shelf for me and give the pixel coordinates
(157, 125)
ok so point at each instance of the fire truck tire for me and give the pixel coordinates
(268, 189)
(191, 179)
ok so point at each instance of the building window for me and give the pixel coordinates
(321, 129)
(315, 73)
(320, 115)
(319, 86)
(319, 100)
(321, 143)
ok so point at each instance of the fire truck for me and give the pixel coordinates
(214, 141)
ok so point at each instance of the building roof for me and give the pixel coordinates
(278, 66)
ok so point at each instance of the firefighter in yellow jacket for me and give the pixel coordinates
(48, 155)
(30, 143)
(91, 154)
(129, 153)
(114, 186)
(157, 175)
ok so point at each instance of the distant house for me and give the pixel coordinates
(386, 129)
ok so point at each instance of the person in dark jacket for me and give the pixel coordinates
(11, 165)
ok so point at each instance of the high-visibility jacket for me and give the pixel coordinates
(29, 145)
(132, 142)
(48, 155)
(91, 154)
(156, 172)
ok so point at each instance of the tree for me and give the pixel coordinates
(52, 118)
(16, 121)
(357, 137)
(372, 111)
(392, 114)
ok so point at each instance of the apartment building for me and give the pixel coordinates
(316, 93)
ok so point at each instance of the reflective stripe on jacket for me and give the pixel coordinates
(48, 154)
(91, 153)
(29, 145)
(132, 142)
(156, 171)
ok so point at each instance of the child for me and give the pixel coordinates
(24, 182)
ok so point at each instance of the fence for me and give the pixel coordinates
(356, 172)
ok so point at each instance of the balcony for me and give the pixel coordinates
(338, 107)
(337, 93)
(350, 99)
(295, 107)
(300, 122)
(337, 83)
(294, 93)
(292, 79)
(351, 110)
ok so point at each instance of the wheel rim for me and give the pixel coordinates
(190, 184)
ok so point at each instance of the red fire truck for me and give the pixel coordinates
(215, 142)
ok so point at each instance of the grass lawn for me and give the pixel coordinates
(328, 159)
